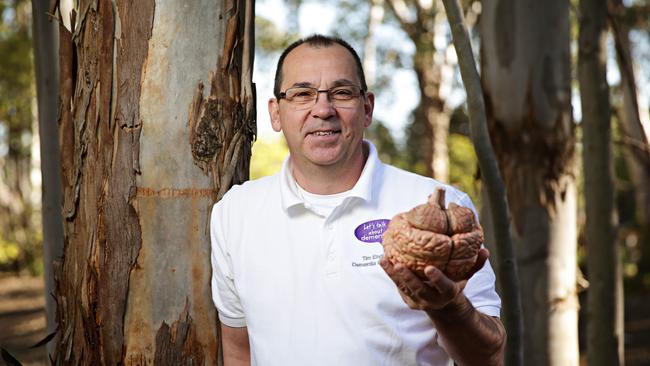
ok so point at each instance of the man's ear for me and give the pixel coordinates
(274, 114)
(368, 107)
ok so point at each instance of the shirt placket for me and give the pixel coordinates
(332, 252)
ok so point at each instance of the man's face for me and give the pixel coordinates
(322, 135)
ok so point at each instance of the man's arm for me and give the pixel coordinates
(459, 322)
(236, 350)
(453, 315)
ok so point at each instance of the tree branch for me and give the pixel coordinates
(507, 266)
(401, 12)
(639, 149)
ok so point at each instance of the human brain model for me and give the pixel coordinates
(429, 234)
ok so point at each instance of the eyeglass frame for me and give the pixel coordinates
(283, 95)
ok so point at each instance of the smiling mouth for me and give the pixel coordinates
(324, 133)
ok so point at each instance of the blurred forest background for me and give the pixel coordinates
(387, 49)
(395, 38)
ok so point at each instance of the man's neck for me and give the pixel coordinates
(330, 179)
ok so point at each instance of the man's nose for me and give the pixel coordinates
(323, 107)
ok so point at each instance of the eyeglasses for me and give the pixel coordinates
(301, 98)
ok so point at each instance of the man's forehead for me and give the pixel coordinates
(307, 59)
(309, 47)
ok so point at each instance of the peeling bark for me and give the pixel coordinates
(222, 125)
(102, 229)
(177, 345)
(133, 285)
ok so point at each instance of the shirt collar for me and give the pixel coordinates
(363, 189)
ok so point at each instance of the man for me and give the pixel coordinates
(298, 274)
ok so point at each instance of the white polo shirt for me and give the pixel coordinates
(309, 287)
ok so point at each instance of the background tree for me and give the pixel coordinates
(605, 317)
(634, 120)
(146, 151)
(20, 239)
(507, 272)
(45, 31)
(395, 82)
(526, 77)
(362, 33)
(430, 128)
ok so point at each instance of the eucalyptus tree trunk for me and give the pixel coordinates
(604, 317)
(499, 217)
(526, 78)
(146, 151)
(46, 63)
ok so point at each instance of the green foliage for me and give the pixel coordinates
(267, 156)
(20, 232)
(414, 152)
(9, 252)
(22, 252)
(463, 166)
(632, 234)
(387, 149)
(16, 80)
(269, 39)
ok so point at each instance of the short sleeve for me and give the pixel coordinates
(480, 291)
(224, 291)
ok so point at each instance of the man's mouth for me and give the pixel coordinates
(324, 133)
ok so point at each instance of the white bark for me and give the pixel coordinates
(561, 290)
(174, 198)
(147, 149)
(526, 79)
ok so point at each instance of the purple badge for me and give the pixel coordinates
(371, 231)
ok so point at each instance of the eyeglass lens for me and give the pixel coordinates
(305, 97)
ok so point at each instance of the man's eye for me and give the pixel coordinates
(302, 94)
(342, 93)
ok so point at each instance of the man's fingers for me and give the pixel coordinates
(404, 291)
(433, 293)
(394, 274)
(439, 281)
(412, 285)
(411, 281)
(388, 267)
(405, 280)
(483, 255)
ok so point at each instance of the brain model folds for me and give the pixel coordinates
(429, 234)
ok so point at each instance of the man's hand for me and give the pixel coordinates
(453, 315)
(434, 293)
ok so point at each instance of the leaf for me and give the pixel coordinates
(9, 359)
